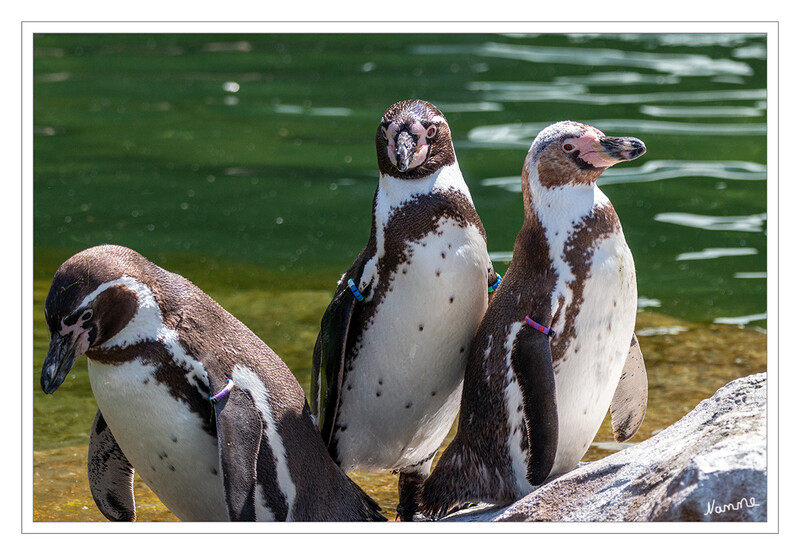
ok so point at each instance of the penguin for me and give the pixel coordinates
(205, 412)
(389, 359)
(557, 346)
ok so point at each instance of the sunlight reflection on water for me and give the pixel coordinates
(534, 92)
(315, 111)
(617, 78)
(740, 320)
(752, 223)
(702, 111)
(669, 63)
(709, 254)
(659, 170)
(519, 135)
(675, 64)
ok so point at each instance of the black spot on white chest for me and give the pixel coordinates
(168, 444)
(411, 353)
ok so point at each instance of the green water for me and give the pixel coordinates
(247, 163)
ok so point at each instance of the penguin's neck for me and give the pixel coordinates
(394, 193)
(560, 210)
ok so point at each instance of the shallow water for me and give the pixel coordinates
(247, 164)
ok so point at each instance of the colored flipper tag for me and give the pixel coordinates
(225, 390)
(493, 288)
(538, 327)
(356, 293)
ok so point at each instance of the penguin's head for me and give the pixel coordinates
(413, 140)
(85, 307)
(571, 153)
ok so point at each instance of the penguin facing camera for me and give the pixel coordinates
(390, 356)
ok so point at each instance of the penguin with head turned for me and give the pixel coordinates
(206, 413)
(390, 356)
(556, 347)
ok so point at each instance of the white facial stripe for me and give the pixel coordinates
(127, 281)
(146, 302)
(146, 319)
(146, 324)
(247, 380)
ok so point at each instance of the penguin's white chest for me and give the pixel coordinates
(401, 394)
(588, 372)
(164, 441)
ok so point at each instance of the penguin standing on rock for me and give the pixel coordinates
(556, 346)
(389, 360)
(208, 415)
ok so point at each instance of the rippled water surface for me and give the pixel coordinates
(247, 163)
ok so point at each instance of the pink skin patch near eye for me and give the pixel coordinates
(81, 334)
(419, 156)
(591, 152)
(391, 133)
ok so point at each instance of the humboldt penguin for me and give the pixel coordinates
(556, 347)
(206, 413)
(390, 356)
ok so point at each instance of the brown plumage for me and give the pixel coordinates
(153, 363)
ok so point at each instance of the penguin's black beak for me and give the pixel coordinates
(405, 150)
(621, 149)
(59, 361)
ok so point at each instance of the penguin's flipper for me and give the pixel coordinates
(239, 433)
(329, 359)
(110, 474)
(629, 404)
(330, 351)
(532, 363)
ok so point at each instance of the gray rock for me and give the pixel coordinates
(709, 466)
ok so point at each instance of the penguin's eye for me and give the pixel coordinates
(431, 133)
(86, 315)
